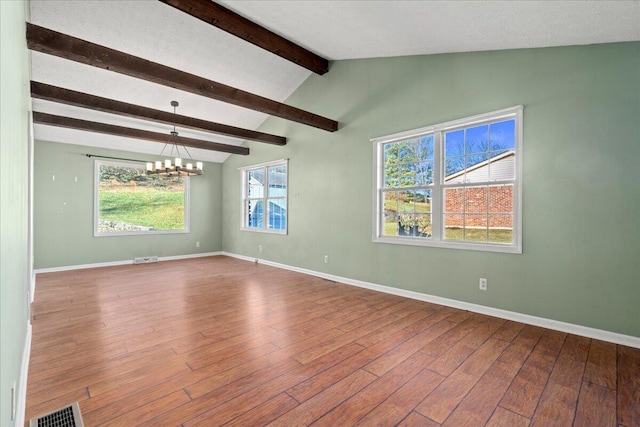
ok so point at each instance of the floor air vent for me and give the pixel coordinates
(145, 259)
(68, 416)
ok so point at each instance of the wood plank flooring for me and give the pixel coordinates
(220, 341)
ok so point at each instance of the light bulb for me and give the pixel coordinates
(189, 166)
(167, 164)
(178, 162)
(158, 165)
(149, 166)
(199, 165)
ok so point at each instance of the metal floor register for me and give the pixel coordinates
(69, 416)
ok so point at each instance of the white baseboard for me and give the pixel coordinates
(175, 257)
(124, 262)
(21, 403)
(557, 325)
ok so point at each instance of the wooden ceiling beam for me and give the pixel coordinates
(84, 100)
(239, 26)
(72, 123)
(64, 46)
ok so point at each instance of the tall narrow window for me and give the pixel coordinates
(454, 184)
(408, 187)
(127, 201)
(264, 198)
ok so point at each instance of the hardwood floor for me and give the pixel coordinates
(219, 341)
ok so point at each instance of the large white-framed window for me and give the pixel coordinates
(264, 197)
(456, 184)
(128, 202)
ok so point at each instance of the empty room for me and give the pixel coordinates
(328, 213)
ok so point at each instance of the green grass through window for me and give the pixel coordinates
(162, 209)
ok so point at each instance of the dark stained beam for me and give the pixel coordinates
(71, 123)
(54, 43)
(80, 99)
(229, 21)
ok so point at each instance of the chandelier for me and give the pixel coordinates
(167, 168)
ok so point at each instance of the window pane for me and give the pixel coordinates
(501, 229)
(475, 227)
(453, 226)
(390, 227)
(454, 199)
(476, 140)
(390, 154)
(277, 214)
(405, 201)
(503, 136)
(424, 173)
(503, 166)
(407, 151)
(475, 200)
(278, 181)
(454, 143)
(400, 152)
(423, 225)
(504, 236)
(256, 191)
(501, 198)
(422, 201)
(475, 160)
(255, 183)
(391, 176)
(406, 224)
(454, 170)
(424, 150)
(131, 201)
(406, 174)
(255, 213)
(477, 168)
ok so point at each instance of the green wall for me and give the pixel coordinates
(14, 202)
(63, 212)
(581, 236)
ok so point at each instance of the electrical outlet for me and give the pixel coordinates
(259, 248)
(326, 259)
(197, 244)
(483, 284)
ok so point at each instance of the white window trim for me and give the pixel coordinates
(437, 190)
(96, 203)
(243, 209)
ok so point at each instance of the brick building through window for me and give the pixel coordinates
(481, 206)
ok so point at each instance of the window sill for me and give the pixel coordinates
(140, 233)
(412, 241)
(263, 230)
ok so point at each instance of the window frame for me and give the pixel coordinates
(142, 166)
(243, 200)
(438, 186)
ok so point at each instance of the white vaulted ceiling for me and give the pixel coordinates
(333, 29)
